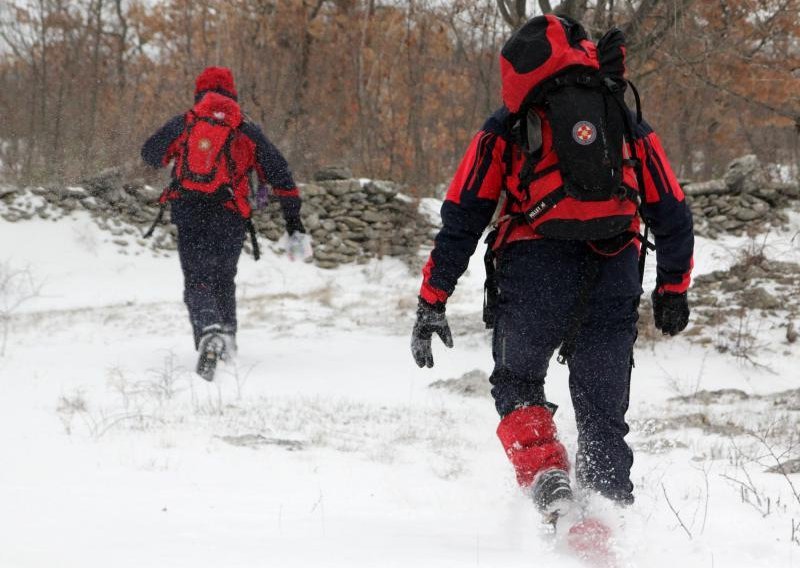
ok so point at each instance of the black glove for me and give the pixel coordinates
(294, 225)
(430, 319)
(670, 311)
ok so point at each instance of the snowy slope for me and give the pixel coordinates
(324, 445)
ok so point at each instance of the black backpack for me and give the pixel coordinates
(590, 123)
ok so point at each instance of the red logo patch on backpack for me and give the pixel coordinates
(584, 133)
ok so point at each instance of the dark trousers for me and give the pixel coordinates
(210, 239)
(539, 283)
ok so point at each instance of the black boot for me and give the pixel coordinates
(552, 494)
(212, 348)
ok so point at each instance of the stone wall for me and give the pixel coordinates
(350, 220)
(355, 220)
(742, 200)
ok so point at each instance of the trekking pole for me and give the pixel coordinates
(646, 245)
(251, 229)
(157, 221)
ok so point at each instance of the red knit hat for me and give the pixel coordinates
(217, 79)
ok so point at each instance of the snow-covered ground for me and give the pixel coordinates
(324, 445)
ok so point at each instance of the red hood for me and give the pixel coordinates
(544, 47)
(219, 107)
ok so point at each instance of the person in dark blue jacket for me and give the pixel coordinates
(214, 150)
(553, 287)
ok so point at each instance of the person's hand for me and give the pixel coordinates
(294, 225)
(670, 311)
(430, 318)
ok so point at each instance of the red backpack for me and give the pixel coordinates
(204, 163)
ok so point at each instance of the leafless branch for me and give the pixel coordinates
(675, 512)
(793, 114)
(778, 462)
(513, 11)
(633, 26)
(17, 287)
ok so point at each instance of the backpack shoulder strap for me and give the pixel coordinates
(191, 120)
(638, 162)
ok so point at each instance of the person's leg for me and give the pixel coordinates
(194, 248)
(600, 379)
(232, 234)
(536, 283)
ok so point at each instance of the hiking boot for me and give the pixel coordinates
(231, 348)
(552, 494)
(212, 349)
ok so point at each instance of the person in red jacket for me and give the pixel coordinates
(566, 253)
(214, 149)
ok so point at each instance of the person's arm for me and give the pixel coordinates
(666, 211)
(161, 147)
(467, 210)
(272, 168)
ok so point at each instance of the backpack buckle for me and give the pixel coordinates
(624, 192)
(583, 79)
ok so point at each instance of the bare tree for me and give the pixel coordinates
(392, 89)
(515, 12)
(645, 22)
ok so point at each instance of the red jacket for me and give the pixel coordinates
(483, 178)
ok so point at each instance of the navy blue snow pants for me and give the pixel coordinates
(539, 283)
(210, 239)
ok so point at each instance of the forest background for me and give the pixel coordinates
(392, 89)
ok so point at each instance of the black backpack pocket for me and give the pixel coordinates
(588, 130)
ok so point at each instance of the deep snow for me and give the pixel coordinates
(324, 445)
